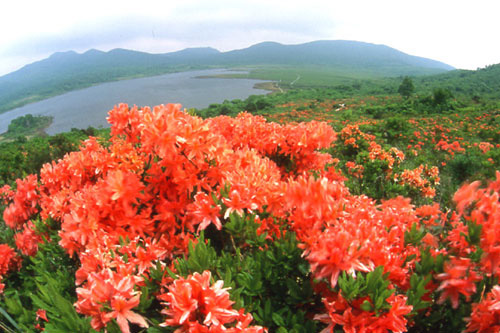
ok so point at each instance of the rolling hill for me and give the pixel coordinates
(383, 60)
(66, 71)
(481, 82)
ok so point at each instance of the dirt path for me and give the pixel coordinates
(298, 77)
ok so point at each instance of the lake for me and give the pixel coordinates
(90, 106)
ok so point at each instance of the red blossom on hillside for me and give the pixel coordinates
(24, 205)
(130, 206)
(27, 241)
(485, 317)
(9, 261)
(459, 278)
(423, 178)
(194, 303)
(205, 211)
(353, 319)
(481, 206)
(106, 290)
(41, 314)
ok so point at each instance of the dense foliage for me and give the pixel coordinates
(355, 221)
(406, 88)
(27, 125)
(21, 156)
(480, 84)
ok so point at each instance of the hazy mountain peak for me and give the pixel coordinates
(93, 51)
(265, 44)
(194, 51)
(63, 54)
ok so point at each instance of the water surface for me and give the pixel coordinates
(90, 106)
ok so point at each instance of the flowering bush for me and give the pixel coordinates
(240, 225)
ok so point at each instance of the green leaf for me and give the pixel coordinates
(9, 318)
(14, 304)
(474, 233)
(278, 319)
(415, 235)
(153, 329)
(417, 291)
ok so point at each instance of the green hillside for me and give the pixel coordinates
(342, 55)
(482, 82)
(340, 60)
(67, 71)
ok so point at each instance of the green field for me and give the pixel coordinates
(479, 84)
(288, 77)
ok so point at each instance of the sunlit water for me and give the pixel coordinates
(90, 106)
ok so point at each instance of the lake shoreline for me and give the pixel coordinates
(89, 106)
(34, 99)
(36, 130)
(271, 86)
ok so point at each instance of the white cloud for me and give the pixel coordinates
(458, 33)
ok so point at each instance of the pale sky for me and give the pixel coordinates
(463, 34)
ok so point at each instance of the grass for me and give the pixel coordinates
(297, 77)
(310, 76)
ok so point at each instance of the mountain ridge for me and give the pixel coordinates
(65, 71)
(331, 46)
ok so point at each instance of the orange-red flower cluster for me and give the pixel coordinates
(355, 170)
(24, 204)
(485, 147)
(353, 319)
(27, 241)
(485, 317)
(299, 142)
(9, 261)
(195, 305)
(422, 178)
(164, 175)
(393, 156)
(137, 201)
(354, 137)
(6, 194)
(114, 292)
(459, 277)
(481, 206)
(450, 147)
(339, 233)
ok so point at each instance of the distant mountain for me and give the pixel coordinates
(384, 60)
(66, 71)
